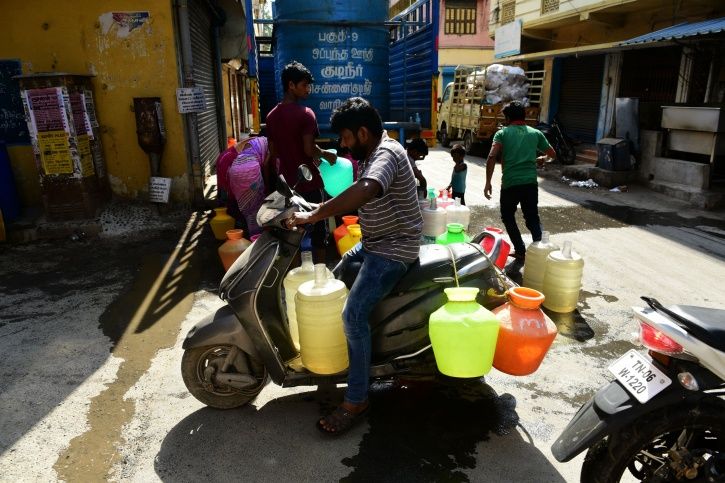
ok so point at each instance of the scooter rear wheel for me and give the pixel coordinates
(642, 448)
(199, 363)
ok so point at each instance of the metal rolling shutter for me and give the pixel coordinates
(202, 48)
(581, 91)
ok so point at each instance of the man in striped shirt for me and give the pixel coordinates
(391, 223)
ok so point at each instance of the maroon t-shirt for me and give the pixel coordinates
(286, 124)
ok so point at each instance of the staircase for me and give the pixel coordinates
(586, 154)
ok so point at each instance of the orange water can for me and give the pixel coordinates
(525, 333)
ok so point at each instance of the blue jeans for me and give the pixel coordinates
(376, 278)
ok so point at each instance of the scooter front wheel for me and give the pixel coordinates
(200, 369)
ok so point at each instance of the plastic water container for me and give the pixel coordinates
(434, 221)
(443, 200)
(235, 245)
(563, 279)
(535, 264)
(458, 213)
(319, 305)
(487, 244)
(463, 334)
(292, 281)
(454, 234)
(525, 334)
(221, 223)
(353, 237)
(341, 230)
(336, 177)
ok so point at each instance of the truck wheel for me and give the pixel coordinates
(445, 140)
(467, 141)
(200, 363)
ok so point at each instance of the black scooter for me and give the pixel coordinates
(230, 355)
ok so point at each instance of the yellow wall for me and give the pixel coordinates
(465, 56)
(82, 37)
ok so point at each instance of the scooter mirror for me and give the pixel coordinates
(283, 187)
(304, 173)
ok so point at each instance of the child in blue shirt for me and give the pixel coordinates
(458, 178)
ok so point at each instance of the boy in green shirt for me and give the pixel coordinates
(519, 145)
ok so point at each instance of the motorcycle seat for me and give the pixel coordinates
(709, 323)
(433, 262)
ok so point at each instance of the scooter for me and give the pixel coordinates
(663, 417)
(230, 355)
(564, 147)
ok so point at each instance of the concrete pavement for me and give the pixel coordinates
(92, 331)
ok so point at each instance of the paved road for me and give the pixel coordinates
(91, 331)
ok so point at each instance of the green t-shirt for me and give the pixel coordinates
(520, 145)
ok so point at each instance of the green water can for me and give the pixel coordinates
(454, 234)
(463, 334)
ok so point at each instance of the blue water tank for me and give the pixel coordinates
(345, 46)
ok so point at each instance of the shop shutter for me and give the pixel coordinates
(581, 91)
(203, 58)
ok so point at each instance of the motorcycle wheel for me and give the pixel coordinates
(567, 153)
(197, 361)
(643, 448)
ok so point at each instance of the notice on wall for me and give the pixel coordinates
(159, 189)
(47, 110)
(84, 151)
(190, 99)
(508, 40)
(55, 152)
(78, 109)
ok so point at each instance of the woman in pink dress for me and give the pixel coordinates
(246, 181)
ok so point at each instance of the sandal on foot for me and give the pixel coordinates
(341, 420)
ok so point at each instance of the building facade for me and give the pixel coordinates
(134, 50)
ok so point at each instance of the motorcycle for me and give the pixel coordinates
(663, 417)
(230, 355)
(564, 147)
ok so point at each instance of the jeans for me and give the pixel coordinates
(528, 196)
(376, 278)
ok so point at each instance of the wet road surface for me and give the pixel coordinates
(93, 391)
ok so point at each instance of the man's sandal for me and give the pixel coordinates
(340, 420)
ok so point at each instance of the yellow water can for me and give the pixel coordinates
(463, 334)
(318, 305)
(563, 279)
(353, 237)
(535, 264)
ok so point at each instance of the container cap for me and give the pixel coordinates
(349, 219)
(236, 234)
(455, 227)
(461, 294)
(525, 298)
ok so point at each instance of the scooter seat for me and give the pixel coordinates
(434, 262)
(709, 322)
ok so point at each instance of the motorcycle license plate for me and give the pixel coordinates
(639, 376)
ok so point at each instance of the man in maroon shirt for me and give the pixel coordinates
(291, 130)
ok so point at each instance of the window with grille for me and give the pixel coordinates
(508, 12)
(549, 6)
(460, 17)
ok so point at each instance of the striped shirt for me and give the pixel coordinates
(391, 223)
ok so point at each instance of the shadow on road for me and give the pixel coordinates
(414, 432)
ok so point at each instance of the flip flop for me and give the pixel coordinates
(342, 420)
